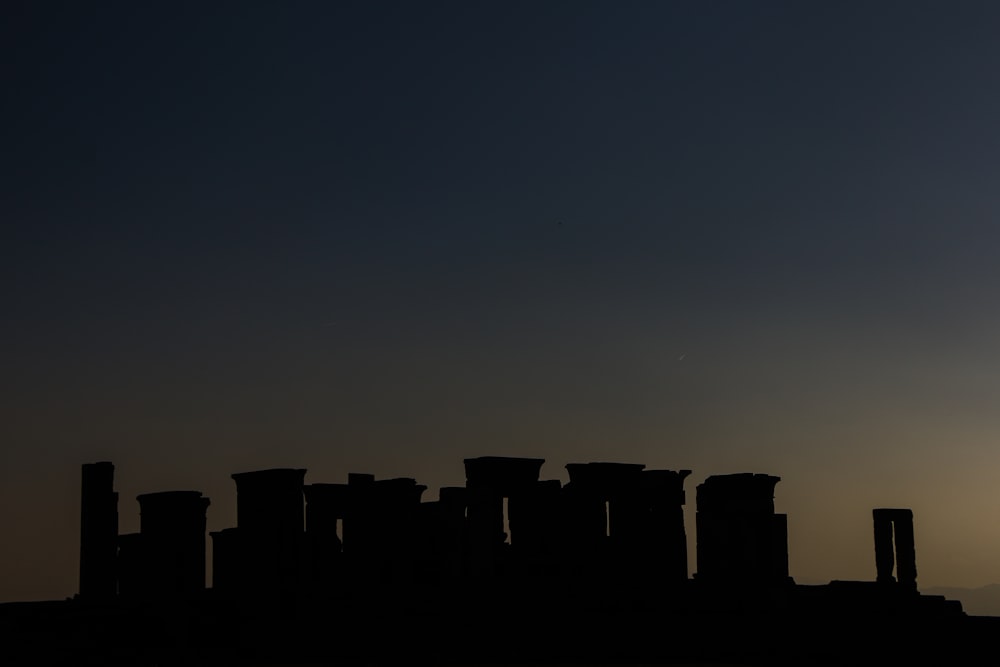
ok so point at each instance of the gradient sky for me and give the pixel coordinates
(383, 237)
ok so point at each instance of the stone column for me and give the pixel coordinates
(131, 566)
(326, 504)
(488, 480)
(898, 522)
(906, 557)
(449, 542)
(607, 512)
(395, 511)
(270, 517)
(740, 542)
(230, 576)
(666, 538)
(533, 515)
(356, 526)
(884, 558)
(172, 536)
(98, 532)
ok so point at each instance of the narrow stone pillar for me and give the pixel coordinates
(326, 505)
(665, 539)
(906, 557)
(98, 532)
(356, 525)
(884, 557)
(447, 534)
(230, 575)
(485, 529)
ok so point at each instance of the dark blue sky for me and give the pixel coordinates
(385, 236)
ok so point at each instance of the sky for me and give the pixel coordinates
(386, 236)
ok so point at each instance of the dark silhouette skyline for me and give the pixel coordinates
(398, 578)
(294, 539)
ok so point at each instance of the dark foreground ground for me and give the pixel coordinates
(842, 623)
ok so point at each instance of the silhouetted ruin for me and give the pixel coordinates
(166, 558)
(98, 532)
(895, 526)
(264, 555)
(741, 541)
(594, 570)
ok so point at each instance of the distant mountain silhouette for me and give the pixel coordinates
(983, 601)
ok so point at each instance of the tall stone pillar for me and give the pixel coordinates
(884, 557)
(326, 505)
(230, 576)
(358, 524)
(390, 515)
(448, 534)
(665, 543)
(607, 517)
(270, 518)
(172, 536)
(585, 520)
(895, 525)
(131, 566)
(490, 479)
(906, 556)
(741, 541)
(98, 532)
(533, 515)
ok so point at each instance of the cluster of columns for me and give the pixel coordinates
(505, 521)
(628, 519)
(165, 559)
(282, 547)
(740, 538)
(610, 519)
